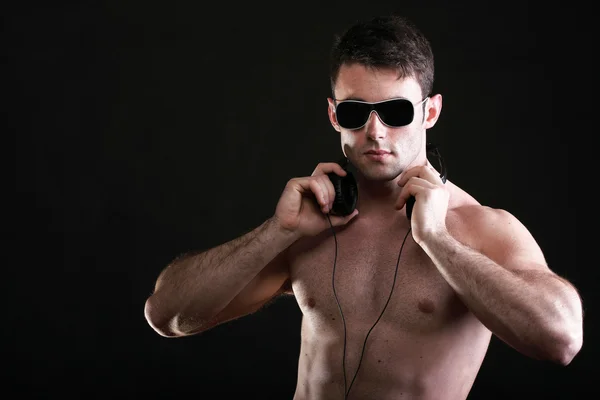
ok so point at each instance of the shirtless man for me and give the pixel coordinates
(423, 296)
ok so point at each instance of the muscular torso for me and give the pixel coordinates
(426, 345)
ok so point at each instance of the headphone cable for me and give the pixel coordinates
(346, 391)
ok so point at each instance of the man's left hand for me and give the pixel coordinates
(431, 201)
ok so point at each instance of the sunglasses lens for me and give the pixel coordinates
(352, 115)
(396, 113)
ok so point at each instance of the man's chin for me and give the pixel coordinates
(379, 175)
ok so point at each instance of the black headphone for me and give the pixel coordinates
(346, 197)
(346, 190)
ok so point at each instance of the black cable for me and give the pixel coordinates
(346, 391)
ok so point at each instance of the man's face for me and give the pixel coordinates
(404, 144)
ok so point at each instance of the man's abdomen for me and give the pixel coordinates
(395, 364)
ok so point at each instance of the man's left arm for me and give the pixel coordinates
(504, 280)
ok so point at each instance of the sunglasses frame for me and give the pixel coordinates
(372, 106)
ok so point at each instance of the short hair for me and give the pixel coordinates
(385, 42)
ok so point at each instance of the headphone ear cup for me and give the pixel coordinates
(346, 193)
(351, 192)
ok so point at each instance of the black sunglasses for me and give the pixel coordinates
(354, 114)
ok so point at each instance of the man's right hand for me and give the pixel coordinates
(305, 201)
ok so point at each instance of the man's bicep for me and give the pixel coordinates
(271, 282)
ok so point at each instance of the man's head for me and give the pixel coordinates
(389, 42)
(381, 79)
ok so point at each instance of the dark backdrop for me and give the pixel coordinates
(145, 129)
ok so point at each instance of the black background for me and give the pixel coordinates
(147, 129)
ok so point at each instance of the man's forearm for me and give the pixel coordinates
(195, 287)
(535, 312)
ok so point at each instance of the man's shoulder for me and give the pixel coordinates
(466, 209)
(471, 221)
(478, 225)
(477, 216)
(476, 212)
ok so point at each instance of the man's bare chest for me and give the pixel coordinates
(366, 271)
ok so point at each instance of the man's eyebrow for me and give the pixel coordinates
(354, 98)
(350, 98)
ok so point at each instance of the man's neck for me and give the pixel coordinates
(378, 198)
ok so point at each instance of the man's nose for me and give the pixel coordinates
(376, 129)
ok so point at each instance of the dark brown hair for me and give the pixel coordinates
(385, 42)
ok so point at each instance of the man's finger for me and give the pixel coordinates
(413, 188)
(424, 171)
(325, 168)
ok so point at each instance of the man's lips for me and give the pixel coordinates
(377, 155)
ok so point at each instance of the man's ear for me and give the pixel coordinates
(331, 113)
(433, 108)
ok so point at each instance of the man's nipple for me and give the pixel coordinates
(426, 306)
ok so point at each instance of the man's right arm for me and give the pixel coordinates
(198, 291)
